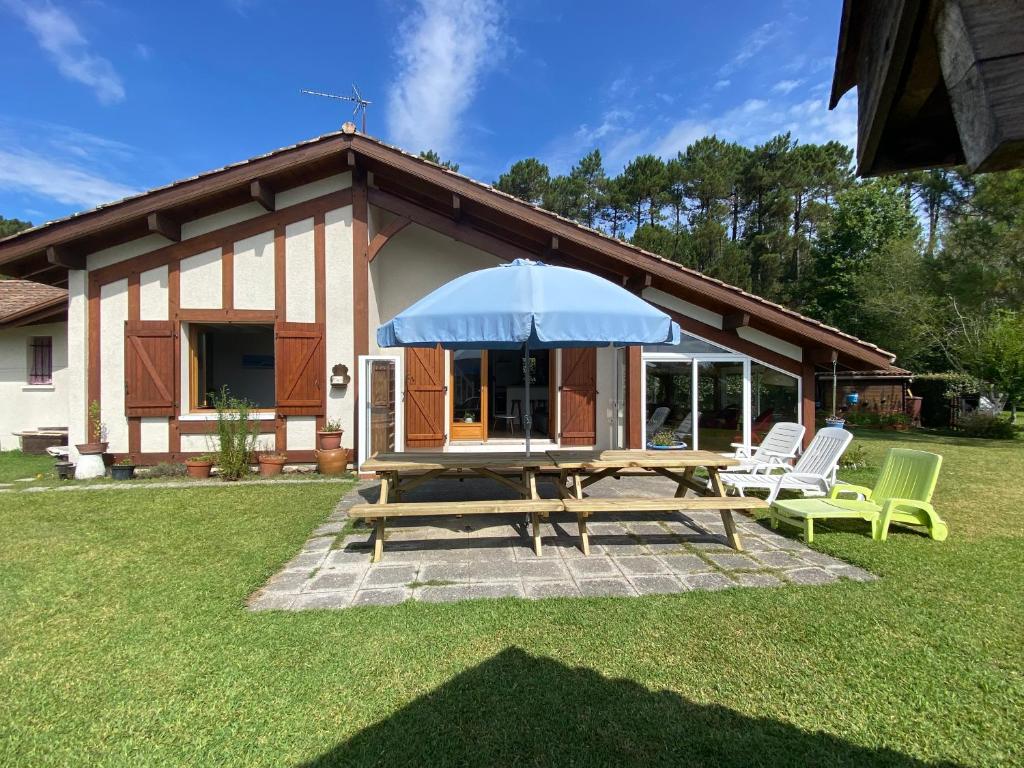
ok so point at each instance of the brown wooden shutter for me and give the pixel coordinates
(424, 397)
(299, 369)
(149, 368)
(579, 396)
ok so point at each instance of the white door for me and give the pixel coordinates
(618, 403)
(380, 411)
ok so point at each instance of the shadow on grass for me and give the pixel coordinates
(518, 709)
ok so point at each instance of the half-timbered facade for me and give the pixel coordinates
(271, 276)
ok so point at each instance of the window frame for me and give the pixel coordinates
(33, 358)
(194, 329)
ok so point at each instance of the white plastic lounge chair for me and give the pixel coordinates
(813, 475)
(781, 444)
(657, 419)
(685, 429)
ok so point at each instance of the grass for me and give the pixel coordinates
(125, 642)
(15, 465)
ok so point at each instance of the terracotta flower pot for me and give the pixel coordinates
(328, 441)
(199, 469)
(271, 466)
(333, 462)
(90, 449)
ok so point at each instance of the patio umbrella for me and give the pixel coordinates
(527, 304)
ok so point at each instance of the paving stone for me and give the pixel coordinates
(592, 568)
(811, 576)
(503, 589)
(605, 588)
(272, 601)
(306, 561)
(570, 549)
(711, 581)
(378, 576)
(468, 592)
(346, 559)
(647, 528)
(442, 594)
(626, 550)
(335, 580)
(487, 571)
(784, 542)
(709, 544)
(606, 529)
(852, 572)
(318, 544)
(641, 565)
(288, 581)
(540, 589)
(429, 554)
(657, 585)
(524, 552)
(818, 558)
(756, 544)
(685, 563)
(312, 600)
(329, 528)
(443, 572)
(777, 559)
(732, 562)
(757, 580)
(389, 596)
(542, 570)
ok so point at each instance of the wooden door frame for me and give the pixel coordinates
(454, 426)
(364, 383)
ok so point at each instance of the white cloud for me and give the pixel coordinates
(753, 45)
(444, 49)
(720, 84)
(785, 86)
(59, 36)
(64, 182)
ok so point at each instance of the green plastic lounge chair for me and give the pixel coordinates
(902, 494)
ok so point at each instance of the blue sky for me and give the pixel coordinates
(105, 98)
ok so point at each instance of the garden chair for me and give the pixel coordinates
(657, 419)
(812, 475)
(902, 494)
(781, 444)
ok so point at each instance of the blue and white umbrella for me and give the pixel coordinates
(528, 304)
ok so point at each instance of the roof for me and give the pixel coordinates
(302, 162)
(26, 300)
(887, 373)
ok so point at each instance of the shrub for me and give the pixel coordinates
(856, 457)
(236, 435)
(166, 469)
(988, 425)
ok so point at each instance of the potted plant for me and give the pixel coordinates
(199, 467)
(329, 437)
(271, 464)
(467, 417)
(665, 440)
(97, 433)
(123, 469)
(236, 435)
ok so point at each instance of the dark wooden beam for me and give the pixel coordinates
(263, 194)
(162, 224)
(820, 356)
(456, 208)
(637, 283)
(382, 237)
(62, 256)
(735, 320)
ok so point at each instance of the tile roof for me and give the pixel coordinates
(18, 297)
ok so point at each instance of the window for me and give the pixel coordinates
(775, 397)
(40, 360)
(237, 356)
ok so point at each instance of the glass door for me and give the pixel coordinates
(721, 400)
(380, 418)
(669, 418)
(469, 394)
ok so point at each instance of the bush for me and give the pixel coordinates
(236, 435)
(856, 457)
(166, 469)
(978, 424)
(938, 391)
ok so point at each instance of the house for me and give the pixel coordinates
(33, 362)
(879, 391)
(271, 277)
(939, 82)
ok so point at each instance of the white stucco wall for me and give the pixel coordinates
(24, 406)
(153, 294)
(254, 272)
(313, 190)
(339, 341)
(201, 280)
(125, 251)
(77, 389)
(300, 273)
(300, 433)
(154, 434)
(113, 315)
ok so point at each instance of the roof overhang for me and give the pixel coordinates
(52, 310)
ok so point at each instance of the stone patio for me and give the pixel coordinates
(448, 559)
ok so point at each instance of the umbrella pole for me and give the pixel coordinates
(527, 415)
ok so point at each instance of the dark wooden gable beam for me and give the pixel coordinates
(261, 192)
(64, 256)
(734, 320)
(160, 223)
(382, 237)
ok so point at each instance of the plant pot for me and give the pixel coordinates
(831, 421)
(328, 441)
(122, 471)
(65, 470)
(271, 466)
(200, 470)
(333, 462)
(673, 447)
(91, 449)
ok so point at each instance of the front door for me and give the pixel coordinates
(380, 420)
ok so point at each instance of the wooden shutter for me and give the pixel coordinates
(149, 368)
(299, 369)
(579, 396)
(424, 397)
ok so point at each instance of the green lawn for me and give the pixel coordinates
(125, 642)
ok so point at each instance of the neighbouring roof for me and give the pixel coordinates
(122, 220)
(24, 300)
(888, 373)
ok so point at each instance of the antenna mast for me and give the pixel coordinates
(356, 98)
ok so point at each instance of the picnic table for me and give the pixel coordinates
(576, 469)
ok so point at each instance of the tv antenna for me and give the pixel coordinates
(356, 98)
